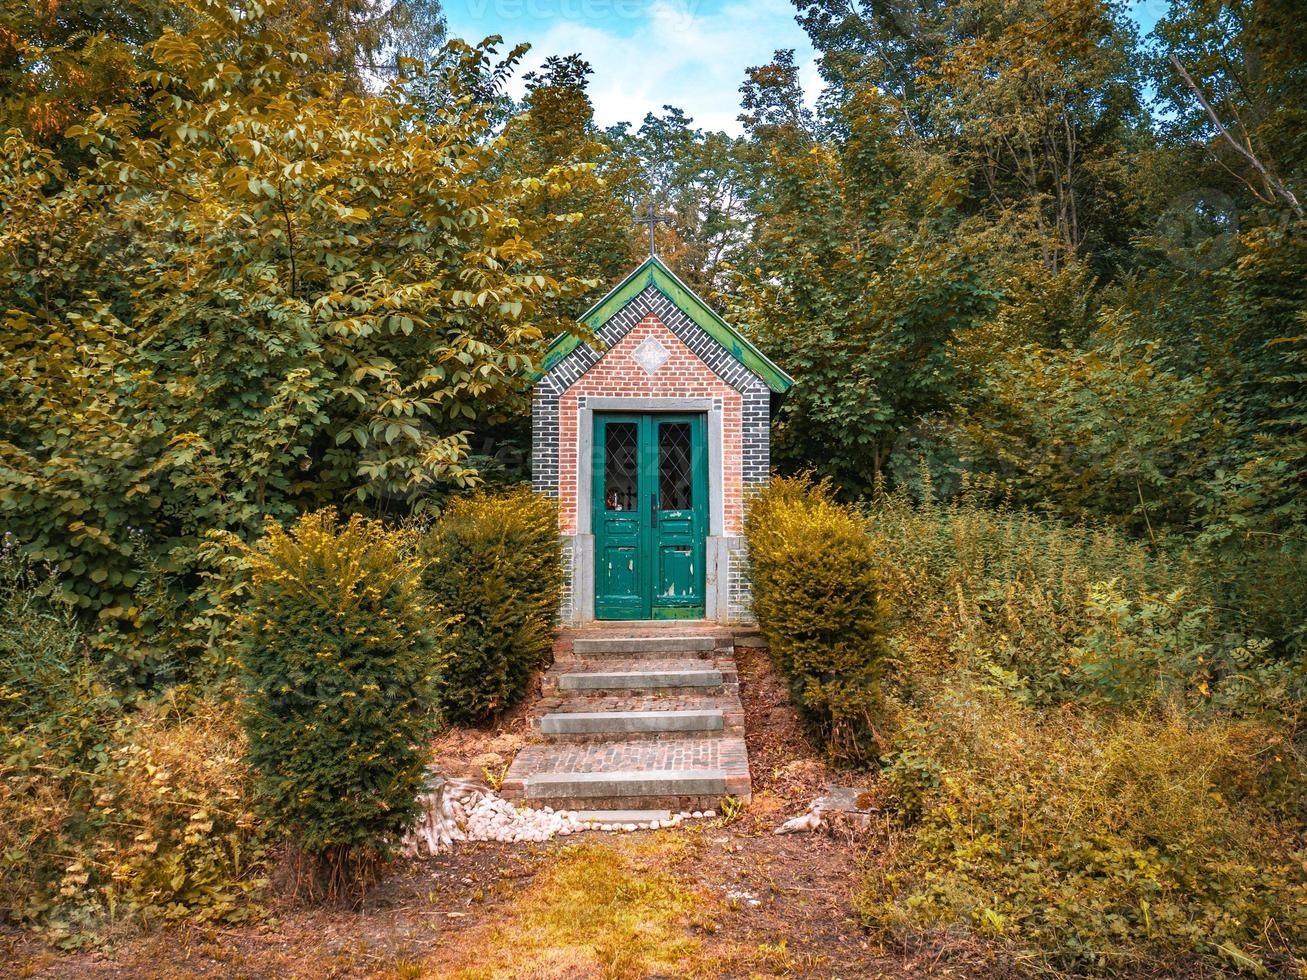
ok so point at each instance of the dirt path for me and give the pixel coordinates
(710, 900)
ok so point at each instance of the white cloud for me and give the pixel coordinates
(674, 52)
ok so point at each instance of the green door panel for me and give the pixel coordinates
(650, 507)
(618, 520)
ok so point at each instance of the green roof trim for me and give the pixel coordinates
(652, 272)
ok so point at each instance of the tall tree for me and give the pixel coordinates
(579, 213)
(695, 178)
(365, 39)
(1233, 72)
(1035, 102)
(860, 278)
(283, 293)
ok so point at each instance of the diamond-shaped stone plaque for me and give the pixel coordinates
(650, 355)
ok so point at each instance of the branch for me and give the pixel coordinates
(1271, 180)
(290, 238)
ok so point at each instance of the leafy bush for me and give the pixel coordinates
(1093, 844)
(338, 659)
(1090, 766)
(110, 810)
(816, 593)
(1057, 612)
(49, 690)
(207, 366)
(493, 561)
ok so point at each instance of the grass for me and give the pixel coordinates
(595, 910)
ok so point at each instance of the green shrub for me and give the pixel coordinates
(1060, 613)
(338, 657)
(49, 689)
(110, 810)
(494, 564)
(816, 593)
(1117, 844)
(1092, 766)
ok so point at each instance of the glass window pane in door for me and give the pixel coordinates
(621, 465)
(675, 474)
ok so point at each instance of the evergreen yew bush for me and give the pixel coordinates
(493, 563)
(816, 596)
(338, 657)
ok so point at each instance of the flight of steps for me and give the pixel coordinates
(635, 727)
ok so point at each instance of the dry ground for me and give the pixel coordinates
(715, 899)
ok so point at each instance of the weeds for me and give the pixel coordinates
(1092, 770)
(592, 911)
(731, 810)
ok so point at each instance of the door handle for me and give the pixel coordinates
(653, 510)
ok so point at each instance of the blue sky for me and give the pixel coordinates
(688, 53)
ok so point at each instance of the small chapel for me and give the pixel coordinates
(651, 441)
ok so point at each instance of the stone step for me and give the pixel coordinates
(641, 680)
(692, 700)
(692, 771)
(635, 646)
(621, 816)
(631, 784)
(631, 722)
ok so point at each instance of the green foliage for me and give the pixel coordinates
(1066, 612)
(338, 659)
(493, 565)
(57, 61)
(579, 218)
(1247, 60)
(1093, 771)
(816, 593)
(697, 181)
(279, 294)
(980, 249)
(1176, 409)
(860, 281)
(1036, 104)
(111, 811)
(1086, 845)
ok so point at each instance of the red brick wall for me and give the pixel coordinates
(682, 376)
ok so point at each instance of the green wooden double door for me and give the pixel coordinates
(650, 515)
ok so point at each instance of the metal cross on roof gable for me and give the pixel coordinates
(651, 218)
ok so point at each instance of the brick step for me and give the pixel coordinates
(669, 772)
(641, 674)
(622, 816)
(644, 646)
(674, 803)
(600, 659)
(603, 703)
(632, 722)
(632, 701)
(637, 784)
(641, 680)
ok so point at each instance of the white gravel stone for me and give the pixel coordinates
(457, 810)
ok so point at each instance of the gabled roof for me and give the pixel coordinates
(652, 272)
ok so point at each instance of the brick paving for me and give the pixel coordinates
(637, 755)
(625, 755)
